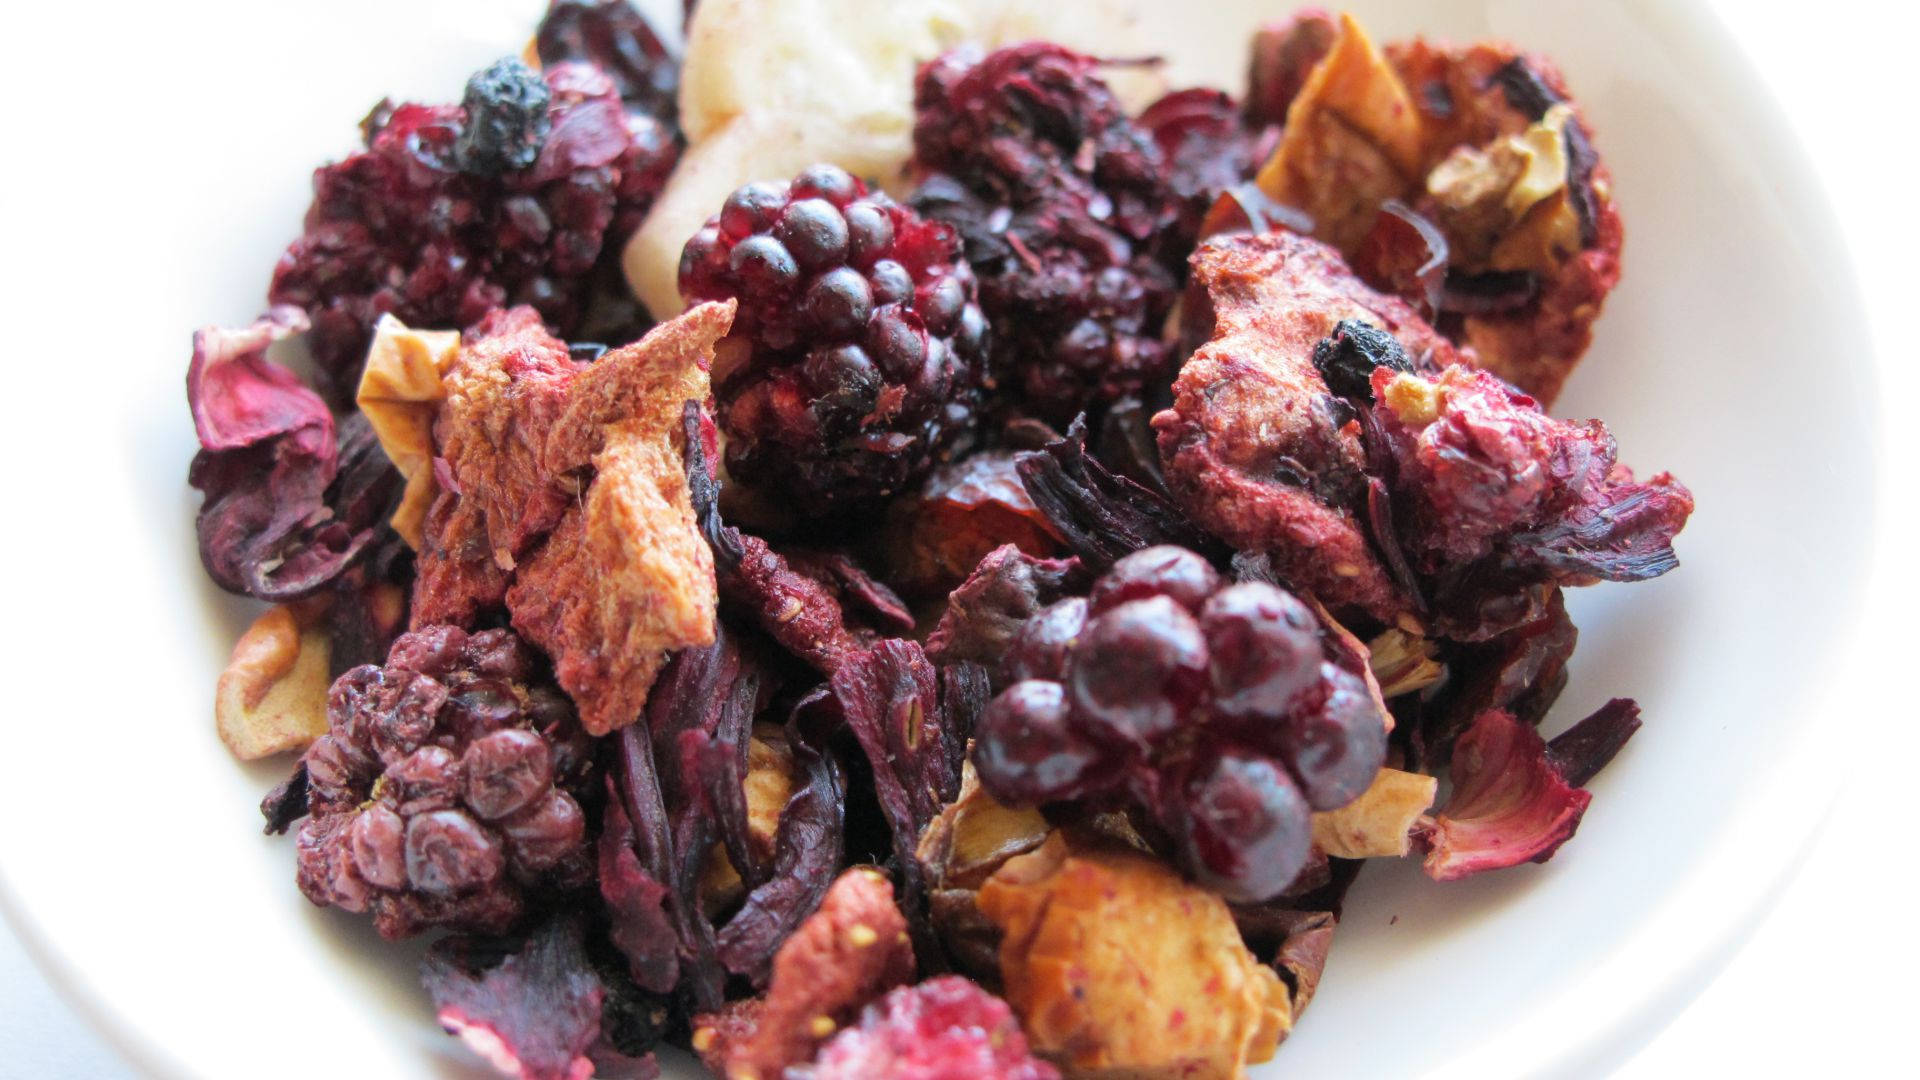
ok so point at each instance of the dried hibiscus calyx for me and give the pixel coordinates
(965, 510)
(1218, 709)
(849, 952)
(856, 358)
(512, 197)
(1060, 197)
(288, 508)
(1509, 804)
(533, 1013)
(1494, 497)
(946, 1028)
(447, 787)
(1085, 924)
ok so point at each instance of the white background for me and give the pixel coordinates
(1827, 983)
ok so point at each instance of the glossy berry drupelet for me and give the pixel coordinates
(1212, 707)
(447, 787)
(856, 353)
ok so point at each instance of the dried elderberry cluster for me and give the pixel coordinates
(1213, 707)
(446, 788)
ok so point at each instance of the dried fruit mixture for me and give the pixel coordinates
(1076, 564)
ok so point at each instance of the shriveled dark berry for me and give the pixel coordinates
(1061, 199)
(1334, 740)
(1137, 669)
(1164, 570)
(1347, 357)
(1040, 649)
(525, 193)
(506, 119)
(863, 345)
(446, 791)
(1031, 752)
(1214, 708)
(1244, 826)
(1265, 648)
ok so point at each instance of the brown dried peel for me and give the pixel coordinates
(400, 393)
(272, 697)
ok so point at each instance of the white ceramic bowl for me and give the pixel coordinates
(131, 858)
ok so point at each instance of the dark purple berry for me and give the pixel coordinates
(1243, 827)
(526, 193)
(445, 792)
(506, 119)
(1174, 572)
(448, 853)
(1265, 647)
(863, 358)
(1335, 742)
(506, 770)
(1040, 649)
(1136, 671)
(1029, 751)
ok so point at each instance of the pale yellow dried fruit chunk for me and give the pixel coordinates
(1353, 140)
(272, 697)
(1506, 206)
(769, 87)
(1378, 823)
(400, 393)
(772, 777)
(1121, 969)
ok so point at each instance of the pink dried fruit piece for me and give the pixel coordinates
(288, 508)
(1509, 805)
(942, 1029)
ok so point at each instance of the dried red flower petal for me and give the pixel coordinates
(533, 1015)
(1509, 804)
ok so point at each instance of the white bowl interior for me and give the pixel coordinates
(1732, 354)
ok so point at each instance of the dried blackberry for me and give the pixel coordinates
(506, 104)
(615, 37)
(859, 341)
(445, 791)
(1216, 708)
(1061, 200)
(524, 194)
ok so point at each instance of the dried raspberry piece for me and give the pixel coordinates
(860, 345)
(445, 791)
(454, 210)
(943, 1029)
(1060, 199)
(1219, 709)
